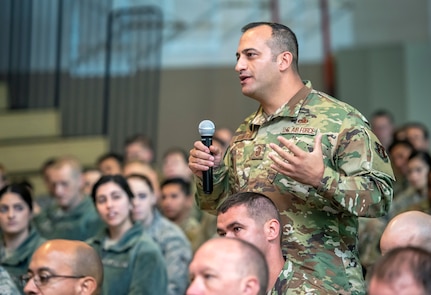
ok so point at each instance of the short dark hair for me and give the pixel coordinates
(398, 261)
(421, 155)
(418, 125)
(259, 207)
(404, 143)
(283, 39)
(184, 185)
(111, 155)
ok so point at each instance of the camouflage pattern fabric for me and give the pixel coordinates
(7, 287)
(320, 226)
(406, 200)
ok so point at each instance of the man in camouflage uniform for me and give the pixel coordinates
(313, 155)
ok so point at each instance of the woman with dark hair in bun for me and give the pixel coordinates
(132, 263)
(18, 239)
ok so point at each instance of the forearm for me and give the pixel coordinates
(367, 195)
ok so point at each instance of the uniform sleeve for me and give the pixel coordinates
(209, 202)
(358, 178)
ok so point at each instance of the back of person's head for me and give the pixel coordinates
(402, 271)
(236, 264)
(283, 39)
(22, 190)
(411, 228)
(78, 262)
(118, 179)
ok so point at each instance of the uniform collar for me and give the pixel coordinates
(289, 109)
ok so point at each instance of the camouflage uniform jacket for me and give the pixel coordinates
(175, 248)
(17, 262)
(7, 286)
(319, 224)
(80, 223)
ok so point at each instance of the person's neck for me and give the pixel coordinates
(276, 261)
(13, 241)
(147, 222)
(279, 97)
(117, 232)
(74, 203)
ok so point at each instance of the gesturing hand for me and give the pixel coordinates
(302, 166)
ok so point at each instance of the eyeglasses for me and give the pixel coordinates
(42, 280)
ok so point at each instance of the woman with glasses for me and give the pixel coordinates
(18, 239)
(132, 262)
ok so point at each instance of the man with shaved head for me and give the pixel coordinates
(411, 228)
(228, 266)
(64, 267)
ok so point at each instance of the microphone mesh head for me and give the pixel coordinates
(206, 128)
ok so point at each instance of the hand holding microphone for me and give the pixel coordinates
(206, 130)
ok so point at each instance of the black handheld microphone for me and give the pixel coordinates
(206, 130)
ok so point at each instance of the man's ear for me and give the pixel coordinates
(285, 60)
(272, 230)
(250, 285)
(86, 286)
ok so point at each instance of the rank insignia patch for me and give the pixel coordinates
(380, 150)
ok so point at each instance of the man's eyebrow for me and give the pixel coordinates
(244, 51)
(40, 269)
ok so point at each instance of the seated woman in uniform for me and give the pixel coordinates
(19, 239)
(132, 262)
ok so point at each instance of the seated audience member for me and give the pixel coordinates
(7, 286)
(399, 153)
(176, 204)
(411, 228)
(222, 137)
(382, 124)
(3, 176)
(415, 197)
(139, 147)
(175, 164)
(64, 267)
(175, 246)
(132, 262)
(417, 134)
(402, 271)
(142, 168)
(45, 199)
(72, 216)
(91, 176)
(254, 218)
(110, 164)
(226, 266)
(19, 239)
